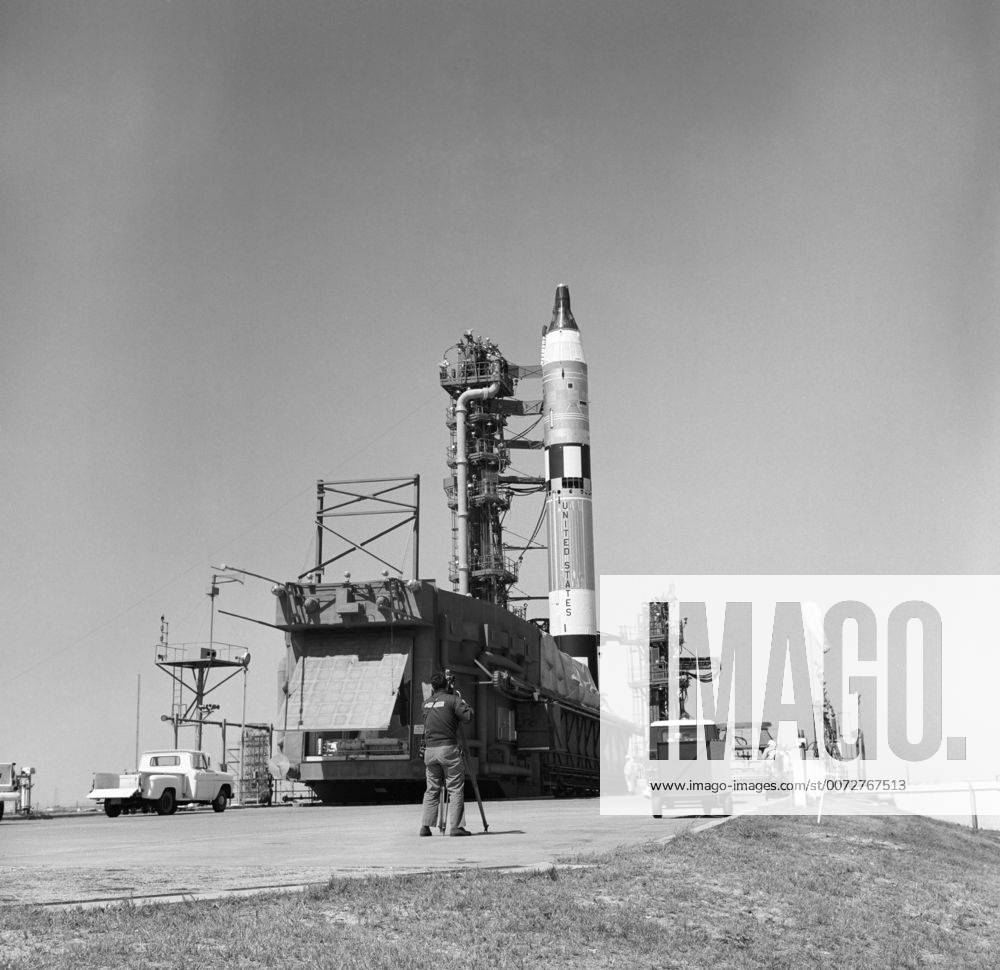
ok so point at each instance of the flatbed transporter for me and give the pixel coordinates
(359, 656)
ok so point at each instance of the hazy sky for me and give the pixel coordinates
(237, 237)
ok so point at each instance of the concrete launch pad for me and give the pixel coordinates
(90, 858)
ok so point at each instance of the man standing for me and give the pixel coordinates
(444, 711)
(631, 773)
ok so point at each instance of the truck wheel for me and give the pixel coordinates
(166, 804)
(112, 811)
(220, 801)
(1, 809)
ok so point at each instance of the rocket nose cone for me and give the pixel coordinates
(562, 315)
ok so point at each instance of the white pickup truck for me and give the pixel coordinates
(165, 779)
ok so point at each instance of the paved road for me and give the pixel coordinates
(89, 858)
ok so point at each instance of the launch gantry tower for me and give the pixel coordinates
(481, 383)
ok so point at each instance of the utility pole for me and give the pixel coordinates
(213, 591)
(241, 781)
(138, 695)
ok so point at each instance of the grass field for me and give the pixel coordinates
(754, 892)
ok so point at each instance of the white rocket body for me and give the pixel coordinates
(566, 438)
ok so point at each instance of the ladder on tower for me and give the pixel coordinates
(165, 652)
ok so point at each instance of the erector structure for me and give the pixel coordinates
(481, 382)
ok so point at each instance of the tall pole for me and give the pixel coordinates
(243, 739)
(213, 591)
(199, 698)
(416, 529)
(138, 695)
(320, 493)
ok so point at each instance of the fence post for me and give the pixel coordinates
(975, 816)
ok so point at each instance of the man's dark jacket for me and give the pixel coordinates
(443, 712)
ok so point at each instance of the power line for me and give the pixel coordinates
(221, 548)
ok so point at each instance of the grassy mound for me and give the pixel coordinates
(754, 892)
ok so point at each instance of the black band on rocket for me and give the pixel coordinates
(567, 461)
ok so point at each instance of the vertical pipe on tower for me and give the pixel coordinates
(462, 477)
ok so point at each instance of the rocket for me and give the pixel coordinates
(566, 439)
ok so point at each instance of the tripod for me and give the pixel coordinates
(443, 803)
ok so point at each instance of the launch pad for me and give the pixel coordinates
(84, 858)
